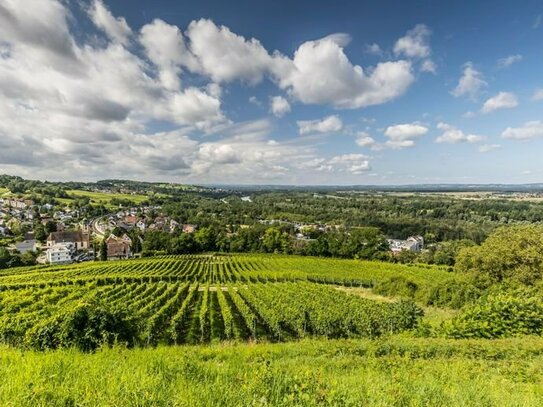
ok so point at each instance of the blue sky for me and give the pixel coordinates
(390, 92)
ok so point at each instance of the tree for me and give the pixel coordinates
(510, 253)
(103, 250)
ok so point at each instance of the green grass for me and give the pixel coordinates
(393, 372)
(3, 191)
(105, 198)
(433, 316)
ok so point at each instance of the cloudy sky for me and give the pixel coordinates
(305, 92)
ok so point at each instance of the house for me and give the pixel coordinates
(412, 243)
(80, 239)
(60, 253)
(18, 203)
(118, 247)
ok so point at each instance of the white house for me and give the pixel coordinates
(412, 243)
(60, 253)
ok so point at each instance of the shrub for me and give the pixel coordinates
(498, 316)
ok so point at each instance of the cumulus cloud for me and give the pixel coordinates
(330, 124)
(415, 43)
(509, 60)
(279, 106)
(470, 83)
(321, 73)
(115, 28)
(95, 106)
(453, 135)
(403, 135)
(226, 56)
(165, 47)
(528, 131)
(363, 139)
(503, 100)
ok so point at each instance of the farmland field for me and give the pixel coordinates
(105, 198)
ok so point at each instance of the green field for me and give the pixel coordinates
(103, 197)
(3, 191)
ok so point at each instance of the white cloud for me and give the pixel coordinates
(363, 139)
(470, 83)
(115, 28)
(485, 148)
(509, 60)
(452, 135)
(279, 106)
(354, 163)
(374, 49)
(428, 66)
(226, 56)
(415, 43)
(528, 131)
(403, 135)
(321, 73)
(538, 95)
(330, 124)
(254, 100)
(165, 47)
(503, 100)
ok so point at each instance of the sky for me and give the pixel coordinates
(282, 92)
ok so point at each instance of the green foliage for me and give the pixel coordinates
(86, 327)
(498, 316)
(509, 254)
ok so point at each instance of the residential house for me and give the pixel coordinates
(80, 239)
(412, 243)
(60, 253)
(118, 247)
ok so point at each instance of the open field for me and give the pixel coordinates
(3, 191)
(391, 372)
(105, 198)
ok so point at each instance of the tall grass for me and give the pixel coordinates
(391, 372)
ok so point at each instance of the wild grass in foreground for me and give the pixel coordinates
(397, 371)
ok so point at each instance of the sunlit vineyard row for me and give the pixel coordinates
(222, 269)
(185, 312)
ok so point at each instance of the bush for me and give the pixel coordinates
(85, 327)
(453, 294)
(499, 316)
(397, 286)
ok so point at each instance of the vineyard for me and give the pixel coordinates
(200, 299)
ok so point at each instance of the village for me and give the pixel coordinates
(60, 235)
(69, 239)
